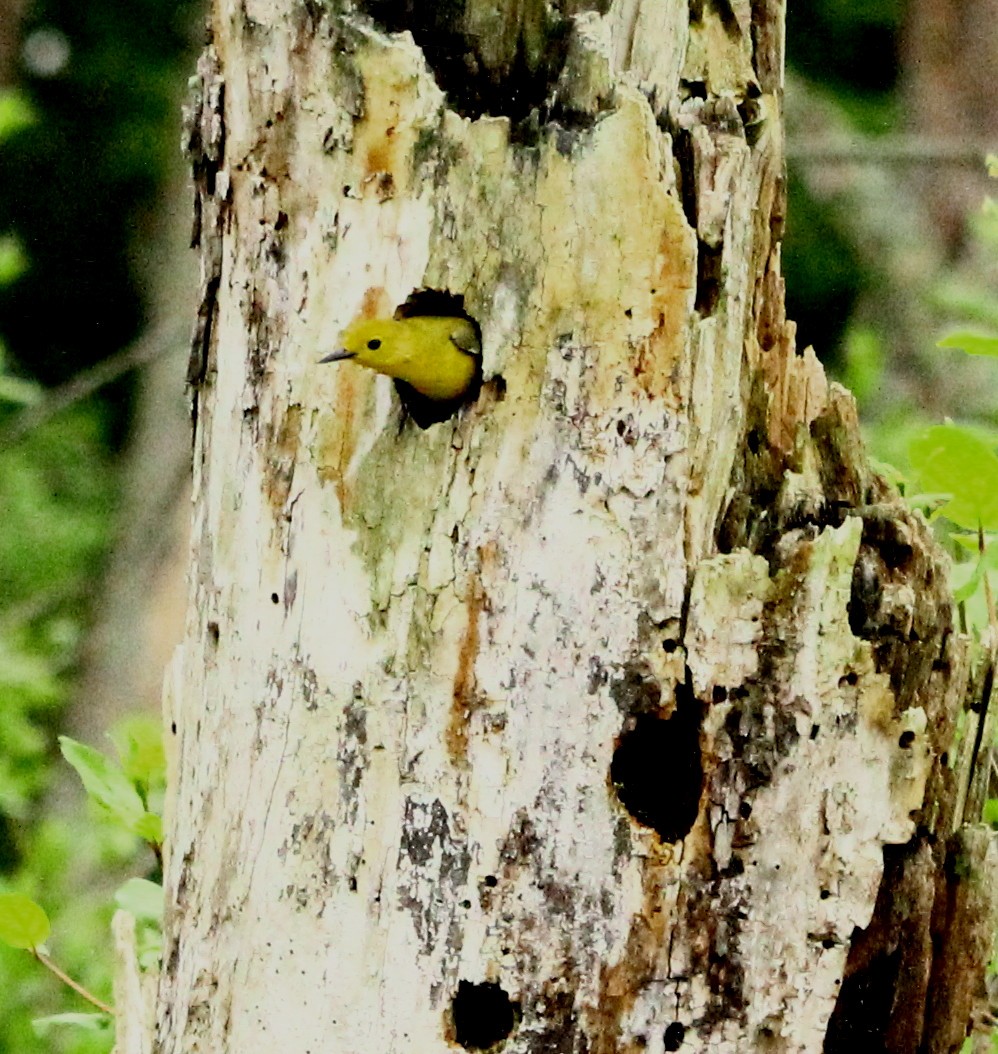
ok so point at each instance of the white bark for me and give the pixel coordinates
(413, 658)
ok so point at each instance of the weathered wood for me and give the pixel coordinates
(581, 721)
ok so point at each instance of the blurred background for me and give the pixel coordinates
(891, 107)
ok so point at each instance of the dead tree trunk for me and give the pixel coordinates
(582, 721)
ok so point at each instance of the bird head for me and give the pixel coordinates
(368, 342)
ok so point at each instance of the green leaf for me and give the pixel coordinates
(990, 812)
(149, 827)
(970, 342)
(969, 583)
(19, 391)
(15, 113)
(13, 259)
(928, 503)
(144, 899)
(951, 460)
(890, 472)
(88, 1022)
(139, 742)
(23, 923)
(105, 782)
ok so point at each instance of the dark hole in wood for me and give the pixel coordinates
(483, 1015)
(512, 84)
(674, 1036)
(657, 770)
(709, 277)
(906, 739)
(274, 598)
(496, 387)
(694, 89)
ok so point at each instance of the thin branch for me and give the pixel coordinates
(889, 150)
(158, 341)
(75, 985)
(989, 598)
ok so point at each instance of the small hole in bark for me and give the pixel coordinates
(274, 598)
(629, 313)
(897, 555)
(694, 89)
(815, 729)
(906, 739)
(825, 894)
(466, 904)
(483, 1015)
(496, 387)
(491, 881)
(735, 867)
(173, 727)
(829, 942)
(753, 120)
(213, 632)
(719, 694)
(744, 810)
(944, 758)
(352, 884)
(754, 440)
(709, 278)
(669, 646)
(657, 771)
(674, 1036)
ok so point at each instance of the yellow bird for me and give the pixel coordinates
(436, 362)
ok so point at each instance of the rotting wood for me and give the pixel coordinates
(423, 669)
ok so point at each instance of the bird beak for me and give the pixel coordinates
(336, 356)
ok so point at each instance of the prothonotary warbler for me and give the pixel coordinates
(436, 362)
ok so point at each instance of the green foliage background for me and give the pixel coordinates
(83, 156)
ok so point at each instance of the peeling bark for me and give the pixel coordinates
(580, 722)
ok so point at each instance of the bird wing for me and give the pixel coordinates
(465, 339)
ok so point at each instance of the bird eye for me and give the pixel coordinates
(374, 344)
